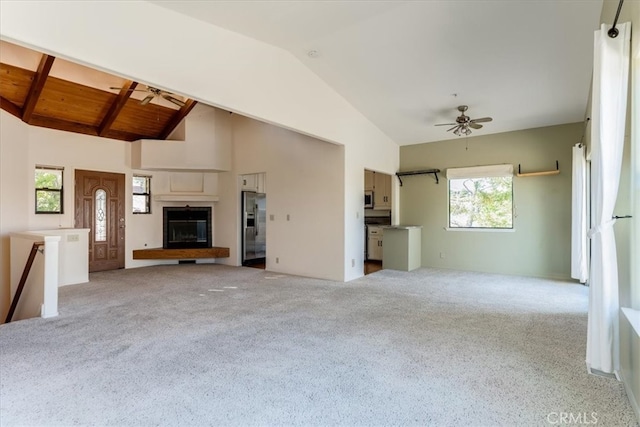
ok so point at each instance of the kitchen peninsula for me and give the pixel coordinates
(402, 248)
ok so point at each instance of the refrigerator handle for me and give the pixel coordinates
(255, 218)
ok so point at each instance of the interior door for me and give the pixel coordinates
(99, 206)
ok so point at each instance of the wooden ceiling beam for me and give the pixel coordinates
(39, 79)
(52, 123)
(125, 136)
(10, 107)
(68, 126)
(116, 107)
(177, 118)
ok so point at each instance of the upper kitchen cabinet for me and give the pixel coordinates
(253, 182)
(368, 180)
(380, 185)
(381, 191)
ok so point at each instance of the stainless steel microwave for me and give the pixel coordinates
(368, 199)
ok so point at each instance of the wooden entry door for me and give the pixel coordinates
(99, 206)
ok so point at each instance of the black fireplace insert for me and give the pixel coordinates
(186, 227)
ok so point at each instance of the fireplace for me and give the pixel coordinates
(186, 227)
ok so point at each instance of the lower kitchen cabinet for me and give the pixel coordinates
(374, 243)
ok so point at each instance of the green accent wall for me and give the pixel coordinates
(540, 243)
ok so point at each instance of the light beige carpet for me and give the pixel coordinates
(214, 345)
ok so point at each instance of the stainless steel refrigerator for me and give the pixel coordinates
(254, 224)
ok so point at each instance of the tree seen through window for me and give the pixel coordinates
(481, 202)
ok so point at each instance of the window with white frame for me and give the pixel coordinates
(481, 197)
(48, 190)
(141, 194)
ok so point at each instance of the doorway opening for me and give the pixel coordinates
(254, 220)
(377, 213)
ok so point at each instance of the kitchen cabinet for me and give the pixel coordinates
(253, 182)
(374, 243)
(381, 191)
(368, 180)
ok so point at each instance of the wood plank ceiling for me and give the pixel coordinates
(39, 98)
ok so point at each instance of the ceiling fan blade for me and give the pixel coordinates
(446, 124)
(475, 125)
(130, 90)
(481, 120)
(146, 100)
(172, 99)
(456, 126)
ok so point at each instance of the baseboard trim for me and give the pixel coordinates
(632, 398)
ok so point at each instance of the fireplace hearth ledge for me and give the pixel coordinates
(161, 253)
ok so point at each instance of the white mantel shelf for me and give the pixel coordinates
(185, 197)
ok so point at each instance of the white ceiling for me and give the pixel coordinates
(407, 65)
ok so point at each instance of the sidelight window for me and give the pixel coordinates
(48, 190)
(101, 216)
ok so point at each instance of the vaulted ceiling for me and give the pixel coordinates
(405, 65)
(42, 90)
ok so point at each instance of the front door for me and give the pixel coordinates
(99, 206)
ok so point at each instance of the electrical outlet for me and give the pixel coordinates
(73, 238)
(272, 217)
(353, 262)
(441, 254)
(277, 260)
(288, 217)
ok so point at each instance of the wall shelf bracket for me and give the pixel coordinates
(420, 172)
(541, 173)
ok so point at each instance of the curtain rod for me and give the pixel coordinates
(613, 32)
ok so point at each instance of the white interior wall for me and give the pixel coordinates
(372, 155)
(201, 142)
(305, 179)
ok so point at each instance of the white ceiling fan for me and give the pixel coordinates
(464, 123)
(155, 92)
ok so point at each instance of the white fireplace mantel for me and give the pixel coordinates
(185, 197)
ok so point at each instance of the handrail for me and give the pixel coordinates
(23, 280)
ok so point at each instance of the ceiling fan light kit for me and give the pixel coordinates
(464, 123)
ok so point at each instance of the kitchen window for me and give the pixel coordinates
(48, 190)
(481, 197)
(141, 194)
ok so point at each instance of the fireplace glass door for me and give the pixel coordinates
(187, 227)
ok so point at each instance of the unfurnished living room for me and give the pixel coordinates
(319, 213)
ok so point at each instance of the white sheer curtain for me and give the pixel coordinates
(579, 269)
(609, 107)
